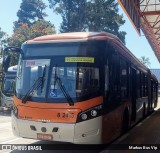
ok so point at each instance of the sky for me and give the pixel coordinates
(138, 45)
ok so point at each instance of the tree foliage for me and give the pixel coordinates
(30, 11)
(3, 37)
(2, 34)
(30, 24)
(25, 32)
(89, 15)
(145, 60)
(72, 13)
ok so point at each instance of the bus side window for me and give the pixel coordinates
(138, 84)
(146, 83)
(123, 78)
(142, 84)
(106, 78)
(115, 77)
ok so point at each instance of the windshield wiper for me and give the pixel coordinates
(38, 83)
(62, 87)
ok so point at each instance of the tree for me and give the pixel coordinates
(102, 15)
(30, 11)
(2, 44)
(72, 13)
(20, 35)
(145, 60)
(2, 34)
(89, 15)
(41, 28)
(25, 32)
(3, 37)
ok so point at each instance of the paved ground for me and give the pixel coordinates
(6, 135)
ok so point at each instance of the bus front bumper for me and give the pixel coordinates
(86, 132)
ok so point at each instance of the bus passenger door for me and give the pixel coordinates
(133, 94)
(112, 101)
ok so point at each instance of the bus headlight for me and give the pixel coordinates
(94, 113)
(90, 113)
(84, 116)
(15, 110)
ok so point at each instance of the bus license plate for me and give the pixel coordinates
(41, 136)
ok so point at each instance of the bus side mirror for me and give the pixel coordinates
(14, 85)
(8, 85)
(13, 49)
(6, 62)
(7, 58)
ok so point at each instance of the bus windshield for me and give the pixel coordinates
(78, 81)
(77, 67)
(32, 70)
(8, 86)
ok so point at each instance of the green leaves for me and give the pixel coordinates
(89, 15)
(72, 13)
(30, 11)
(3, 38)
(145, 60)
(2, 34)
(30, 22)
(26, 32)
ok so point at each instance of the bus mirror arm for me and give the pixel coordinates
(13, 49)
(6, 62)
(6, 56)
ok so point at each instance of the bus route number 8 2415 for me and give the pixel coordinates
(65, 115)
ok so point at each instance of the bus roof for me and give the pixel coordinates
(73, 36)
(12, 68)
(84, 36)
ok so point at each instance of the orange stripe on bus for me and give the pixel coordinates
(53, 112)
(83, 105)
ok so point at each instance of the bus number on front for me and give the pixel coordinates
(65, 115)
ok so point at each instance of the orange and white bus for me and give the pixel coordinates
(83, 88)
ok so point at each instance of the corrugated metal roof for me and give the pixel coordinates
(150, 23)
(149, 16)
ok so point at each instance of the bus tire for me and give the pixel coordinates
(125, 122)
